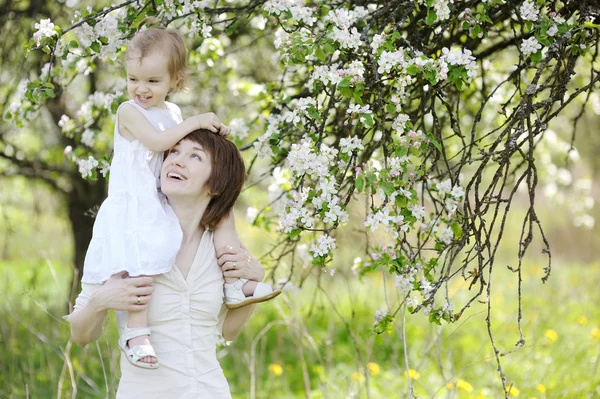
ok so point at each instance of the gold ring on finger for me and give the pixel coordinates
(139, 300)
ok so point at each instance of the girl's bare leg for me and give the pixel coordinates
(140, 320)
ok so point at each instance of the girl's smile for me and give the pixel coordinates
(148, 80)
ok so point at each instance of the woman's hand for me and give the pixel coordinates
(123, 293)
(238, 263)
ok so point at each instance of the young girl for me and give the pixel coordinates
(135, 230)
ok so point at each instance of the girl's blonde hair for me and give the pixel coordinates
(156, 37)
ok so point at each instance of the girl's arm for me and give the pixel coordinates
(140, 128)
(117, 293)
(225, 234)
(235, 319)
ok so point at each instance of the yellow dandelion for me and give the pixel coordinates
(596, 333)
(464, 385)
(541, 388)
(551, 335)
(276, 369)
(373, 368)
(582, 320)
(449, 386)
(358, 376)
(513, 391)
(412, 374)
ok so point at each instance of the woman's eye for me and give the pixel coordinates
(197, 157)
(132, 79)
(154, 81)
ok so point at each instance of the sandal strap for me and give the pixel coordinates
(129, 333)
(240, 283)
(141, 351)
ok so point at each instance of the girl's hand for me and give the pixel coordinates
(238, 263)
(121, 292)
(225, 131)
(208, 121)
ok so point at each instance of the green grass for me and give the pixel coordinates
(321, 342)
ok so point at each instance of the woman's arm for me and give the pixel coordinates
(117, 293)
(246, 267)
(140, 128)
(235, 321)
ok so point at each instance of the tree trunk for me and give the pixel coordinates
(83, 203)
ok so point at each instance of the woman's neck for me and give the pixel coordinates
(189, 211)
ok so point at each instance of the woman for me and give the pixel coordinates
(186, 313)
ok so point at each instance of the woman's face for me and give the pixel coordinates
(185, 171)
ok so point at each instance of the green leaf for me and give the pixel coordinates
(95, 47)
(73, 44)
(401, 201)
(358, 96)
(388, 188)
(457, 230)
(320, 54)
(344, 83)
(390, 108)
(536, 57)
(294, 233)
(431, 17)
(402, 151)
(436, 144)
(346, 91)
(413, 70)
(368, 120)
(359, 183)
(329, 48)
(434, 318)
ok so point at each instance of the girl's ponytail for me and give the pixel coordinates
(149, 22)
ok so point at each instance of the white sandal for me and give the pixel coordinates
(235, 298)
(139, 351)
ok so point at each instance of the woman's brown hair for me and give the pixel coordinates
(155, 37)
(227, 175)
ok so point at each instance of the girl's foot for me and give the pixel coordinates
(243, 292)
(142, 340)
(249, 288)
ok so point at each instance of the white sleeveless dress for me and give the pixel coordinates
(135, 230)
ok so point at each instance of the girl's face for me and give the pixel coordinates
(185, 170)
(148, 80)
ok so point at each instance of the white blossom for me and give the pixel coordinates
(447, 235)
(323, 245)
(239, 129)
(417, 211)
(348, 145)
(412, 302)
(379, 315)
(528, 11)
(399, 124)
(530, 46)
(251, 214)
(86, 166)
(377, 41)
(104, 168)
(388, 60)
(88, 138)
(45, 28)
